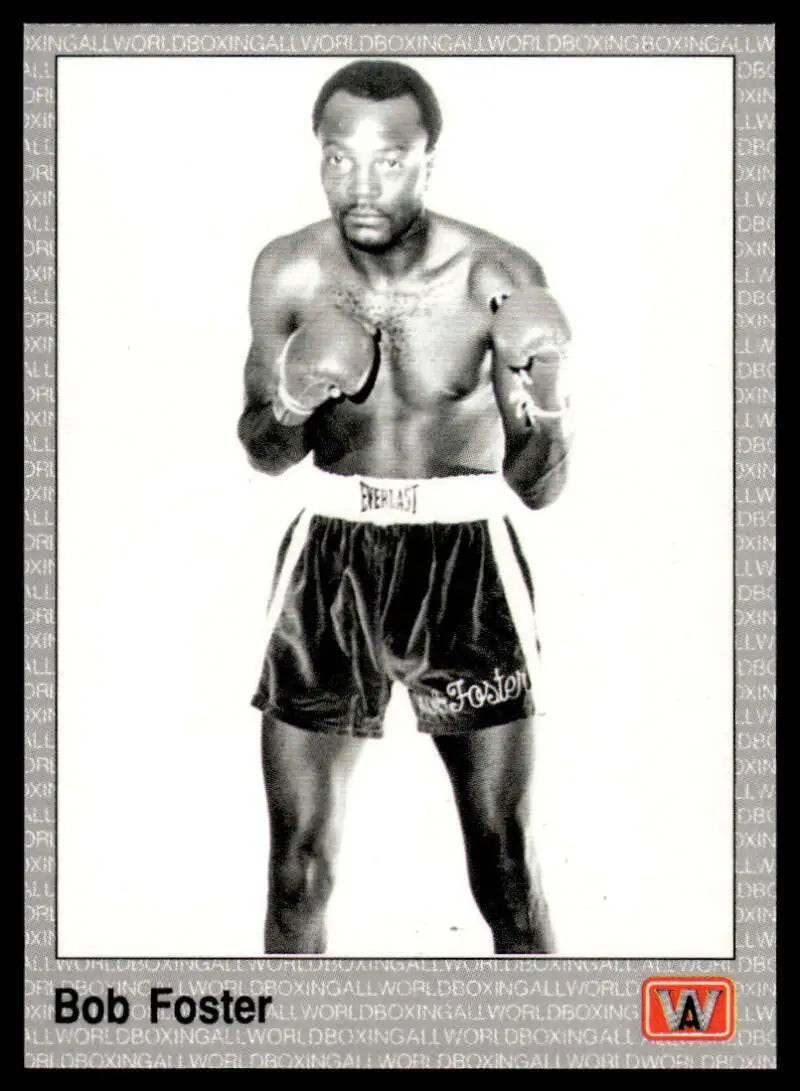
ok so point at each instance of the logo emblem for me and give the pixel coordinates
(687, 1007)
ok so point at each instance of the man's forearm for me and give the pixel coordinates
(536, 461)
(530, 372)
(272, 447)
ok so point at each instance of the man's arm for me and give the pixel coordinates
(271, 446)
(530, 339)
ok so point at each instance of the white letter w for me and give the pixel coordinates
(688, 1012)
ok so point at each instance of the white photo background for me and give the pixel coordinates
(172, 174)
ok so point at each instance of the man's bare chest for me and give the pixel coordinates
(434, 334)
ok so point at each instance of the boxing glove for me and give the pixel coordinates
(530, 336)
(329, 355)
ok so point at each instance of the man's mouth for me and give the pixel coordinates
(365, 216)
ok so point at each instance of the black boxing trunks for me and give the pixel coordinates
(421, 582)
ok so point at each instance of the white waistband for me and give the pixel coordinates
(364, 499)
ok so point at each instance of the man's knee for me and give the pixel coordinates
(499, 828)
(497, 847)
(302, 872)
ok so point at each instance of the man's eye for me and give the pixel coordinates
(338, 161)
(390, 162)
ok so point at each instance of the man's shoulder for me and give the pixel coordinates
(289, 268)
(496, 266)
(488, 253)
(308, 244)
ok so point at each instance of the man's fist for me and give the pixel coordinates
(530, 336)
(331, 354)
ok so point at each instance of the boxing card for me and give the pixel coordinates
(630, 170)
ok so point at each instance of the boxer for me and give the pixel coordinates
(420, 363)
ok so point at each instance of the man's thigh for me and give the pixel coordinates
(490, 770)
(305, 773)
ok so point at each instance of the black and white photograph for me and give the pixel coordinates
(395, 437)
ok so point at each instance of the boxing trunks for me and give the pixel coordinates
(417, 581)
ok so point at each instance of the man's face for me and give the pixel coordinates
(374, 167)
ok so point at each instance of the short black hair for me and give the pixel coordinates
(379, 80)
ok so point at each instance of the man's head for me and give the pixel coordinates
(378, 123)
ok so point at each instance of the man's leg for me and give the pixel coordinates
(490, 771)
(305, 773)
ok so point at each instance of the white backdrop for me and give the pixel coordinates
(172, 174)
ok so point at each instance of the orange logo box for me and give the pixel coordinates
(685, 1008)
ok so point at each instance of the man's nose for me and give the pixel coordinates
(365, 182)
